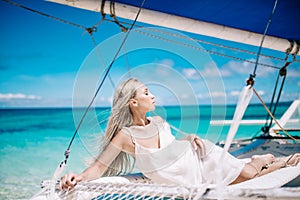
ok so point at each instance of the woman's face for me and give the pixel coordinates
(145, 101)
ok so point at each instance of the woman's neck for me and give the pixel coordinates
(140, 120)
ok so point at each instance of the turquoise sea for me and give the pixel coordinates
(33, 140)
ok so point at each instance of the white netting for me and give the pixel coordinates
(122, 188)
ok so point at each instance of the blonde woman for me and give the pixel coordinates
(158, 155)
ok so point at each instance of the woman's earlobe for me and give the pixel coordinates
(133, 102)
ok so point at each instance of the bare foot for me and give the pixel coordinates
(291, 160)
(265, 158)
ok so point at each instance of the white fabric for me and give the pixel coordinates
(242, 104)
(176, 162)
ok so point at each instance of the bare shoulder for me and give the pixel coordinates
(122, 138)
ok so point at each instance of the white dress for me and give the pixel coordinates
(176, 162)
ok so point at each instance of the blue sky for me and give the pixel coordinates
(46, 63)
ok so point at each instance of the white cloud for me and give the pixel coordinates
(191, 73)
(261, 92)
(293, 73)
(101, 101)
(217, 94)
(209, 70)
(235, 93)
(234, 67)
(226, 72)
(10, 96)
(211, 95)
(184, 96)
(164, 67)
(167, 63)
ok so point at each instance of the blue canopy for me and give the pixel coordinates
(245, 15)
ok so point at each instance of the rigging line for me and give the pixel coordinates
(281, 128)
(102, 9)
(263, 38)
(113, 15)
(102, 81)
(127, 62)
(296, 51)
(46, 15)
(289, 50)
(204, 50)
(289, 129)
(101, 59)
(213, 44)
(89, 30)
(206, 42)
(282, 72)
(94, 29)
(265, 128)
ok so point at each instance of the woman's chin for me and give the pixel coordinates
(152, 109)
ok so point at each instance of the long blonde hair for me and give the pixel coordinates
(120, 117)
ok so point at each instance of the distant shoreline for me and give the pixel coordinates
(287, 103)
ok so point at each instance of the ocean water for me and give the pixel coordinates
(33, 141)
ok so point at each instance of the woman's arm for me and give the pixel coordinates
(100, 165)
(197, 144)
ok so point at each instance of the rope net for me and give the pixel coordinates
(140, 188)
(123, 189)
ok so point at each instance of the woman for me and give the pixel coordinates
(158, 155)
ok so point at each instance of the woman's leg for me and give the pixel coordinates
(264, 164)
(253, 168)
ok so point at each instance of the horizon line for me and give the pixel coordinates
(97, 107)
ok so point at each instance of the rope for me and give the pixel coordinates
(289, 50)
(279, 94)
(127, 62)
(129, 190)
(101, 58)
(206, 42)
(266, 128)
(281, 128)
(213, 44)
(113, 15)
(204, 50)
(297, 50)
(282, 72)
(67, 152)
(90, 30)
(263, 38)
(289, 129)
(102, 9)
(146, 191)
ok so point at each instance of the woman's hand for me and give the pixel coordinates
(68, 181)
(197, 145)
